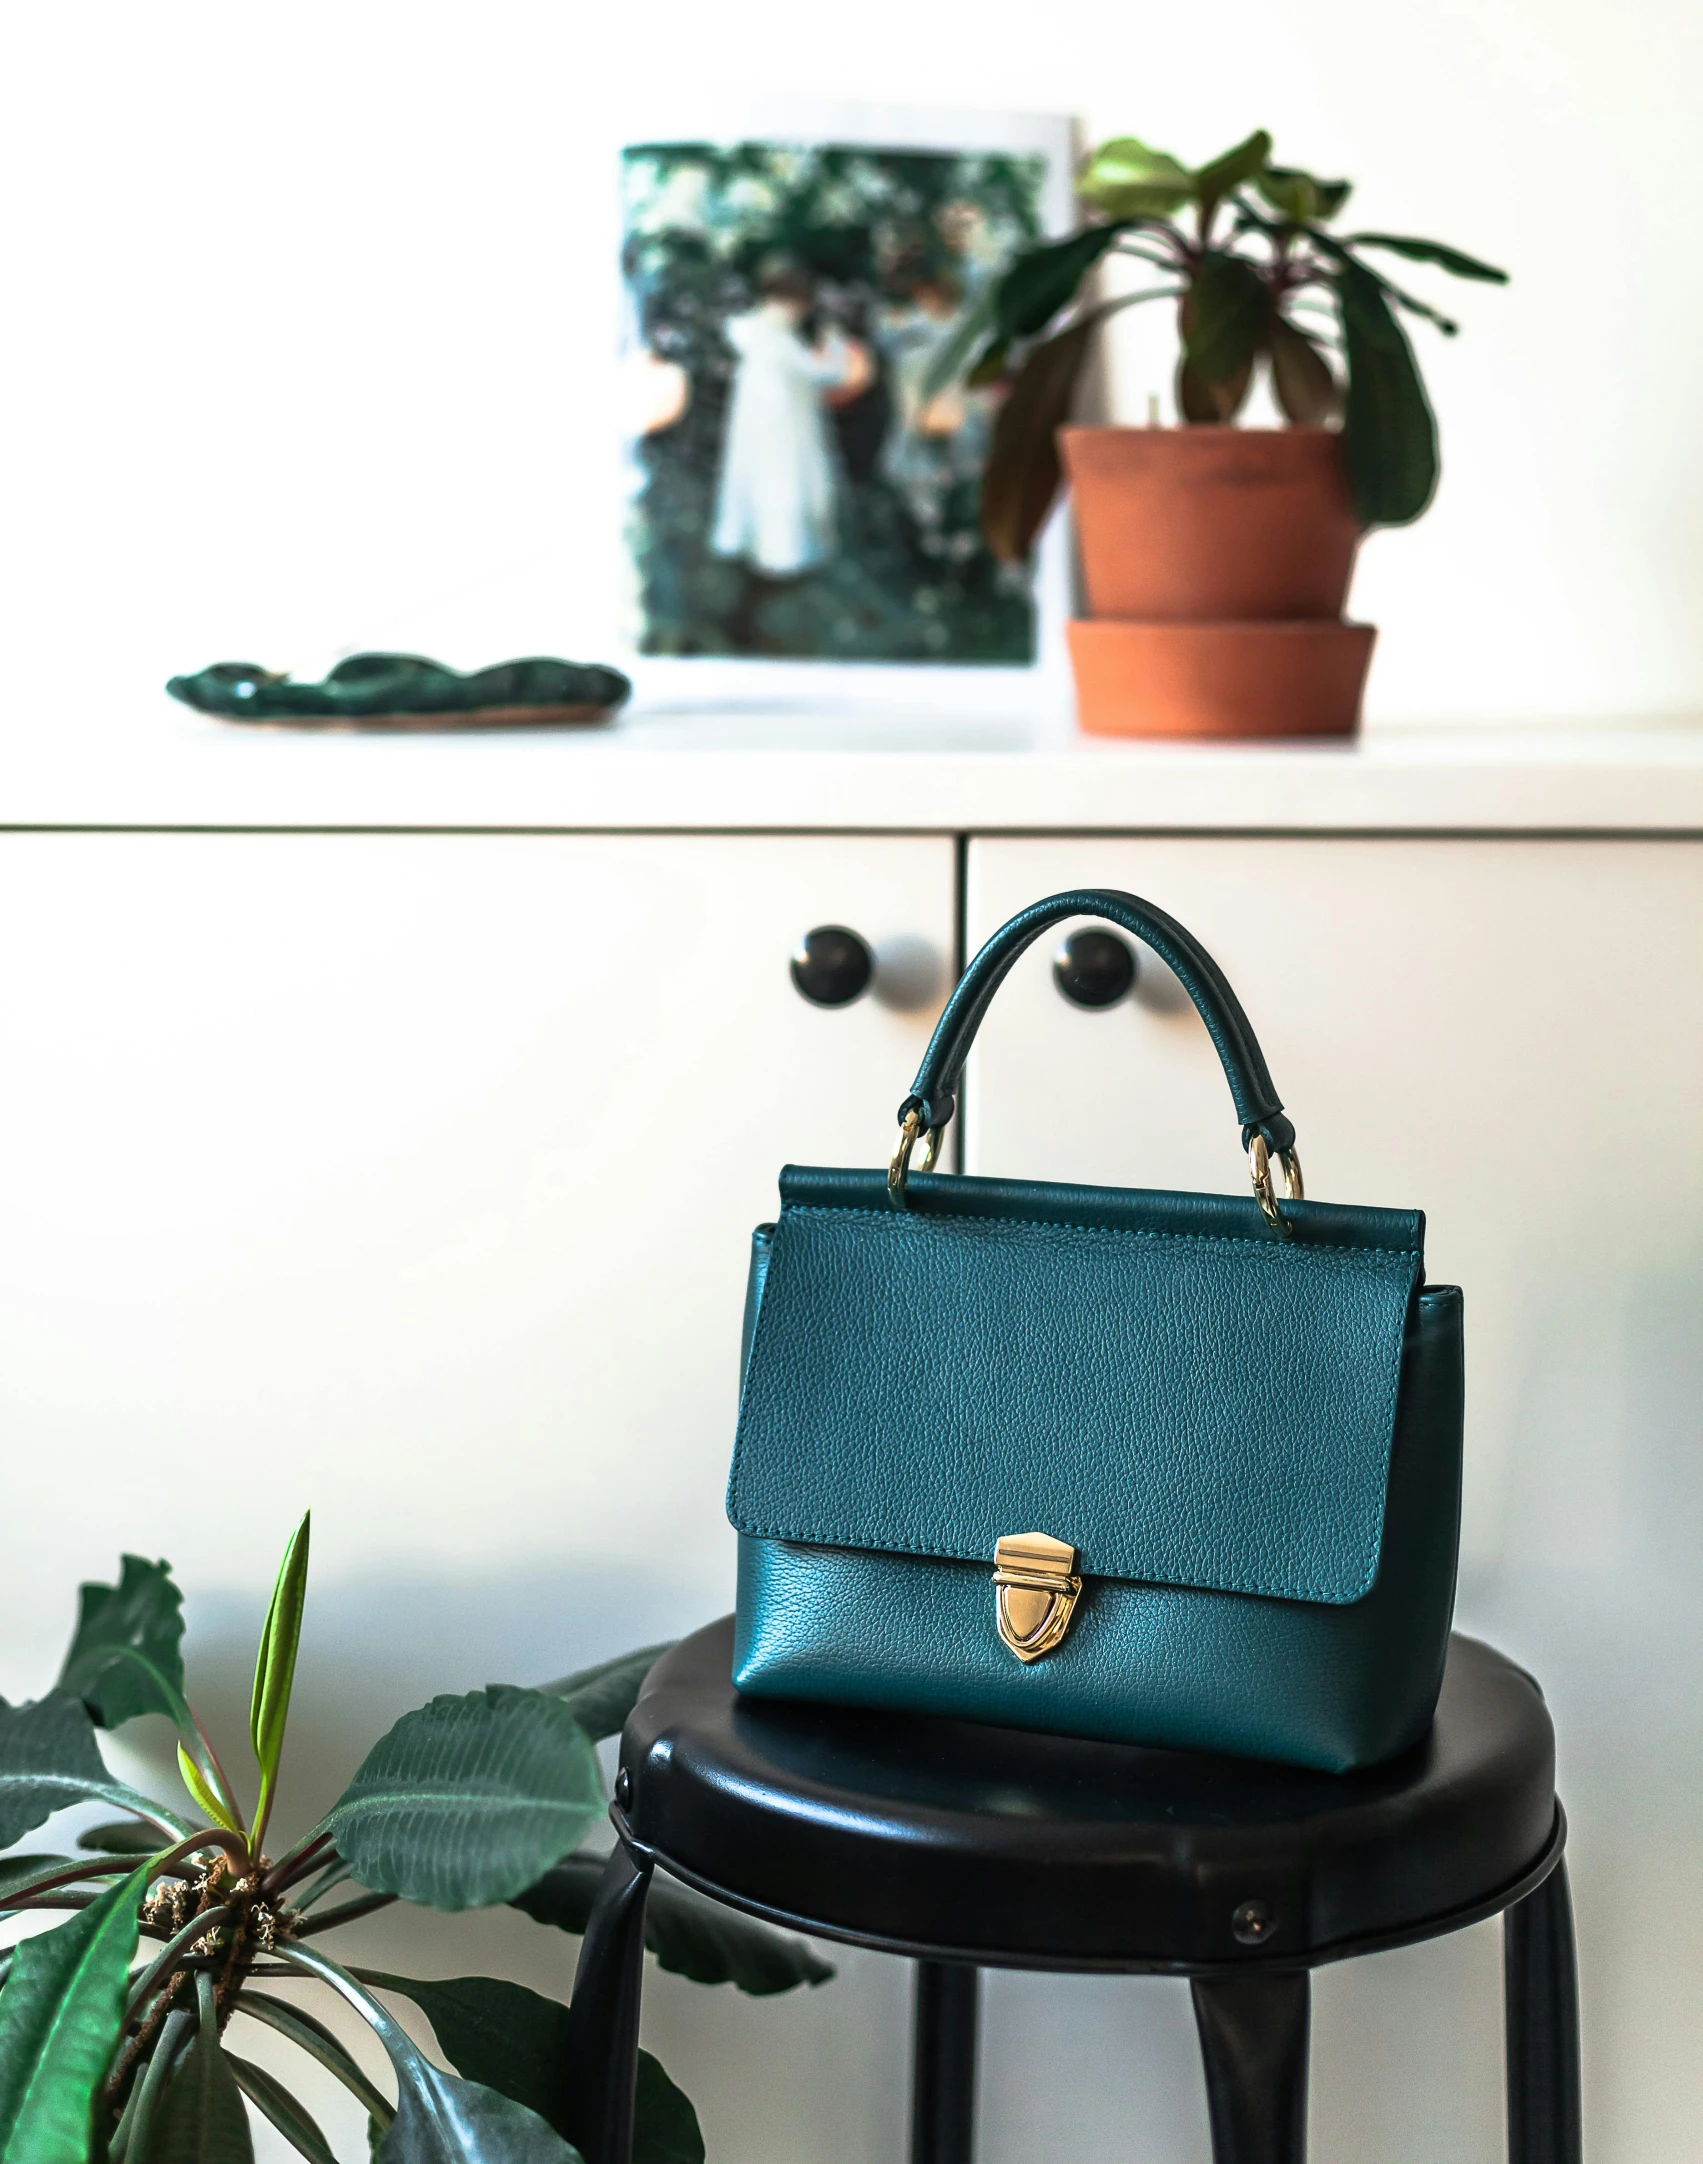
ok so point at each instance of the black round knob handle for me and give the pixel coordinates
(1094, 969)
(832, 966)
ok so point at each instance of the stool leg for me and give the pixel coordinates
(603, 2017)
(1541, 1991)
(1253, 2044)
(943, 2063)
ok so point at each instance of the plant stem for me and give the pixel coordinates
(167, 1956)
(120, 1867)
(295, 1863)
(327, 1882)
(390, 2032)
(165, 1866)
(314, 2038)
(139, 2110)
(365, 1906)
(227, 1795)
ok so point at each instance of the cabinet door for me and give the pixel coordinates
(1508, 1034)
(412, 1178)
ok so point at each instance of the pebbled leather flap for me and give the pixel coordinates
(1152, 1377)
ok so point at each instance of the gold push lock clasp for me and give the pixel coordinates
(1035, 1590)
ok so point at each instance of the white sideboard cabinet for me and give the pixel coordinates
(385, 1124)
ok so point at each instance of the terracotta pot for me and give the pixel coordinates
(1211, 524)
(1226, 679)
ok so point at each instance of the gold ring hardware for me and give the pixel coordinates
(1259, 1169)
(1035, 1592)
(910, 1134)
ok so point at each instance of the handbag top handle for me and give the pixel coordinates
(1266, 1131)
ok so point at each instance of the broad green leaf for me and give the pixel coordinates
(313, 2037)
(202, 2119)
(1047, 278)
(287, 2113)
(127, 1658)
(202, 1790)
(469, 1800)
(1431, 251)
(121, 1837)
(1021, 476)
(59, 2017)
(1308, 393)
(1301, 197)
(516, 2041)
(952, 357)
(511, 2039)
(600, 1698)
(665, 2125)
(19, 1873)
(1389, 437)
(1224, 318)
(1341, 255)
(1214, 181)
(689, 1935)
(440, 2118)
(1126, 179)
(275, 1665)
(49, 1759)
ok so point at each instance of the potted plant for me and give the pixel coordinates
(1216, 560)
(177, 1934)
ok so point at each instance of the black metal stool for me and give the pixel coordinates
(968, 1847)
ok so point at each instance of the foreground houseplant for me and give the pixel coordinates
(113, 2026)
(1204, 548)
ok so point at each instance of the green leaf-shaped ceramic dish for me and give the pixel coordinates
(406, 691)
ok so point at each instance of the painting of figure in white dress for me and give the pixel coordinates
(795, 488)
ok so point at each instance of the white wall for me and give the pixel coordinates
(306, 318)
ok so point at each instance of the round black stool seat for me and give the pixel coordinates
(1020, 1850)
(967, 1847)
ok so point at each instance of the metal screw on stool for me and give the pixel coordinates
(1253, 1923)
(623, 1788)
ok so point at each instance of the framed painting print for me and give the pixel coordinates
(800, 499)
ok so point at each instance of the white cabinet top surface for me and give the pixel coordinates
(788, 768)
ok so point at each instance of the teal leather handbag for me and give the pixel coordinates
(1162, 1468)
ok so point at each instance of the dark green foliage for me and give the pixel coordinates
(498, 2033)
(126, 1658)
(1431, 251)
(1022, 474)
(1224, 321)
(1240, 286)
(600, 1698)
(467, 1801)
(287, 2113)
(17, 1872)
(1045, 279)
(1390, 438)
(120, 1837)
(49, 1760)
(689, 1935)
(59, 2016)
(516, 2041)
(202, 2119)
(441, 2119)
